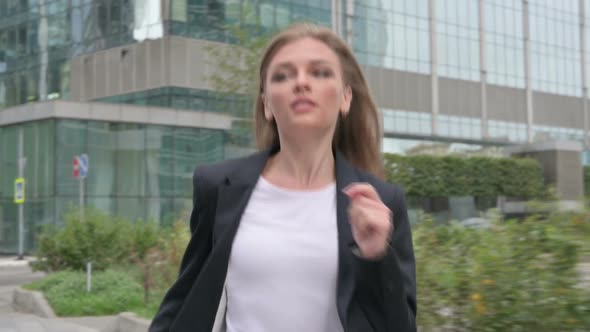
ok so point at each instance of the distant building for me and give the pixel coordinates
(125, 82)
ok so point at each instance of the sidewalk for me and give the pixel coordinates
(17, 322)
(14, 273)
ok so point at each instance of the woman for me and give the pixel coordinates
(302, 236)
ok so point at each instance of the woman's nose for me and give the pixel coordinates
(302, 82)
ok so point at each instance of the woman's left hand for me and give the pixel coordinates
(370, 219)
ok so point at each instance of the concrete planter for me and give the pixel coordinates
(33, 302)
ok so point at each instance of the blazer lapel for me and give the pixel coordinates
(345, 175)
(233, 196)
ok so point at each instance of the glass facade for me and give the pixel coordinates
(188, 99)
(39, 37)
(555, 46)
(207, 19)
(418, 146)
(458, 38)
(504, 43)
(136, 171)
(553, 132)
(460, 127)
(507, 131)
(587, 43)
(392, 34)
(407, 122)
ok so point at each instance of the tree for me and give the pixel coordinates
(235, 77)
(236, 64)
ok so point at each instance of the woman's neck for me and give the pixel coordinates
(298, 166)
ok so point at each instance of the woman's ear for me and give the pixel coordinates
(267, 111)
(346, 100)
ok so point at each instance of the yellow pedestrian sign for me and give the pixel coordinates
(19, 190)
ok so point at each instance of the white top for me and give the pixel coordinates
(283, 267)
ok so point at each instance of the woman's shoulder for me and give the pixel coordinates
(215, 173)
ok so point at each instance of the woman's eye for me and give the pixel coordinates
(278, 77)
(322, 72)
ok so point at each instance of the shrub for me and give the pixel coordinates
(159, 266)
(112, 292)
(513, 276)
(104, 240)
(434, 176)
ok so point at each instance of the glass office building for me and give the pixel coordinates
(125, 81)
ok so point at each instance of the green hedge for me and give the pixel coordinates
(435, 176)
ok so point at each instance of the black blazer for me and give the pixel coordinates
(377, 296)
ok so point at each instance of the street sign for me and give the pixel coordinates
(19, 190)
(80, 165)
(83, 164)
(76, 167)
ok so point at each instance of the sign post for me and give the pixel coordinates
(19, 194)
(81, 164)
(19, 198)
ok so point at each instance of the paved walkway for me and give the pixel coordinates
(14, 273)
(17, 322)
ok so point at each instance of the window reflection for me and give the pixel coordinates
(507, 131)
(35, 51)
(415, 147)
(458, 39)
(504, 44)
(185, 98)
(543, 133)
(393, 34)
(555, 46)
(399, 121)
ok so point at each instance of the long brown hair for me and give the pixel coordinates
(358, 134)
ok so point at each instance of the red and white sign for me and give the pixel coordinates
(76, 167)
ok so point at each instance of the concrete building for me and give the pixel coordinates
(126, 83)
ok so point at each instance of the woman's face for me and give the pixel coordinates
(304, 88)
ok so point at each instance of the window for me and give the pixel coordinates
(458, 39)
(555, 46)
(504, 43)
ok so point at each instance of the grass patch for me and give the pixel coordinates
(112, 292)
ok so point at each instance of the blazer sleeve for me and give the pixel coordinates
(391, 280)
(194, 257)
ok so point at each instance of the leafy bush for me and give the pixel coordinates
(158, 264)
(148, 254)
(513, 276)
(434, 176)
(112, 292)
(104, 240)
(155, 255)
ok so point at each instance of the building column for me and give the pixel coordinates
(349, 21)
(337, 16)
(527, 70)
(434, 99)
(483, 71)
(582, 16)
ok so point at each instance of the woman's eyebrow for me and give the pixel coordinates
(288, 64)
